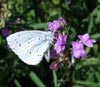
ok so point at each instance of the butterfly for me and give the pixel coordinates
(30, 46)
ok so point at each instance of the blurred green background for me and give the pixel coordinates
(82, 16)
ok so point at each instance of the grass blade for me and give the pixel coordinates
(36, 79)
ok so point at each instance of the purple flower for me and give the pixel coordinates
(62, 21)
(54, 66)
(54, 26)
(86, 40)
(78, 50)
(60, 43)
(54, 54)
(5, 32)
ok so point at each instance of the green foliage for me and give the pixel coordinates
(36, 80)
(82, 16)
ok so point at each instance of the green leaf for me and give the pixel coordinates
(55, 79)
(86, 83)
(39, 26)
(98, 17)
(56, 1)
(87, 62)
(97, 74)
(0, 39)
(95, 49)
(97, 35)
(98, 1)
(17, 83)
(90, 26)
(73, 31)
(91, 23)
(36, 79)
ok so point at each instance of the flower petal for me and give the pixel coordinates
(89, 43)
(83, 54)
(77, 53)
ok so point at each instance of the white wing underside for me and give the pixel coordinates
(30, 46)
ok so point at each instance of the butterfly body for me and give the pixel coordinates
(31, 46)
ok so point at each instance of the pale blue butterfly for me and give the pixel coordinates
(31, 46)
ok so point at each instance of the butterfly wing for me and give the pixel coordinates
(16, 40)
(34, 55)
(30, 46)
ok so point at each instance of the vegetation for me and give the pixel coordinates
(82, 16)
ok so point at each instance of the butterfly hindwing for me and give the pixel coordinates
(34, 55)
